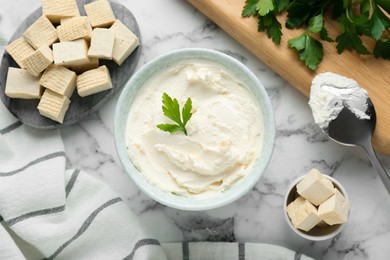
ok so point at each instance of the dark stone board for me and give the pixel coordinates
(80, 107)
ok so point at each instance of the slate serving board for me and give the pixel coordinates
(80, 107)
(372, 74)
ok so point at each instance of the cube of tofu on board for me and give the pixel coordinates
(53, 105)
(38, 61)
(93, 81)
(125, 42)
(100, 13)
(21, 84)
(102, 43)
(59, 79)
(71, 53)
(74, 28)
(41, 32)
(19, 50)
(55, 10)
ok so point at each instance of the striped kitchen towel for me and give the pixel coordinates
(67, 214)
(64, 214)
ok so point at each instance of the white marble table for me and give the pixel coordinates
(300, 145)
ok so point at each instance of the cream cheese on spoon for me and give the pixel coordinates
(224, 133)
(330, 93)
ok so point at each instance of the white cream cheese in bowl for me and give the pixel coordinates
(229, 139)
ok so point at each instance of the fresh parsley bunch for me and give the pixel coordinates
(356, 18)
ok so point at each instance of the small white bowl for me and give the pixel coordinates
(316, 233)
(235, 67)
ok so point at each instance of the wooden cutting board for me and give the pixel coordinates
(372, 74)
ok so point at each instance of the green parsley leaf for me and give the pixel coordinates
(382, 49)
(349, 40)
(260, 7)
(171, 110)
(281, 5)
(170, 128)
(250, 8)
(324, 35)
(310, 50)
(313, 53)
(265, 6)
(379, 23)
(274, 28)
(186, 111)
(316, 23)
(298, 43)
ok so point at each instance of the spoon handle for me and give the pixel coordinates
(377, 165)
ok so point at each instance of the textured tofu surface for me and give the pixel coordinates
(55, 10)
(102, 43)
(335, 209)
(125, 42)
(53, 105)
(92, 63)
(41, 32)
(19, 50)
(21, 84)
(74, 28)
(70, 53)
(315, 188)
(303, 214)
(100, 13)
(93, 81)
(59, 79)
(38, 61)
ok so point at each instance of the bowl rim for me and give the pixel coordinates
(182, 202)
(302, 233)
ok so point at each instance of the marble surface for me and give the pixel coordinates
(300, 145)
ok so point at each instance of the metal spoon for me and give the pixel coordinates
(349, 130)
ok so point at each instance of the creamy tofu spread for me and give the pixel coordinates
(224, 134)
(330, 93)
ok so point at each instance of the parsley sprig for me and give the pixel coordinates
(171, 110)
(356, 18)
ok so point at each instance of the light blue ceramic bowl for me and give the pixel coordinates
(246, 77)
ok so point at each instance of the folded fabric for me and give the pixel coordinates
(65, 214)
(229, 251)
(8, 248)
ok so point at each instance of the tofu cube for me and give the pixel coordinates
(303, 214)
(38, 61)
(59, 79)
(21, 84)
(100, 13)
(55, 10)
(19, 50)
(93, 81)
(70, 53)
(102, 44)
(335, 209)
(125, 42)
(315, 188)
(53, 105)
(92, 63)
(74, 28)
(41, 32)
